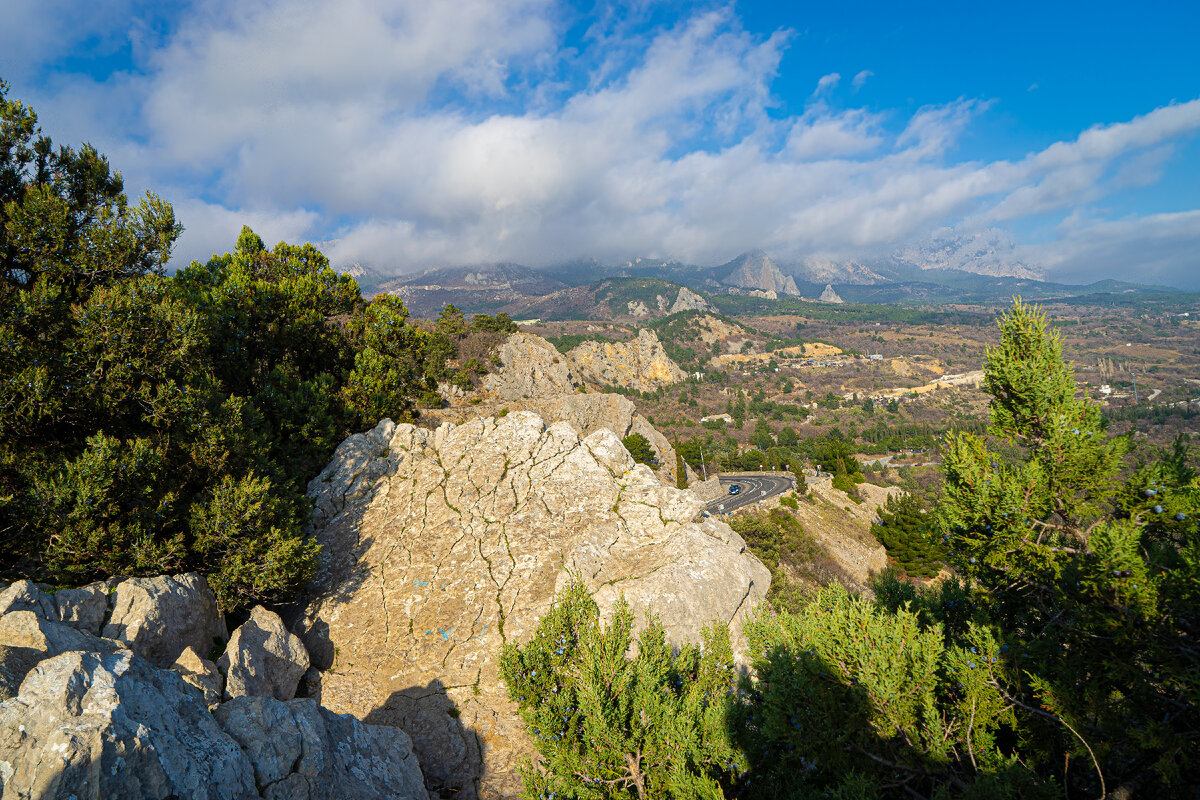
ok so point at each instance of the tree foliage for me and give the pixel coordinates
(910, 536)
(606, 724)
(640, 448)
(156, 424)
(1093, 580)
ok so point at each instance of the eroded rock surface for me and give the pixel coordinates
(111, 725)
(26, 596)
(83, 608)
(301, 751)
(588, 413)
(687, 300)
(439, 547)
(263, 659)
(531, 367)
(158, 617)
(640, 364)
(201, 673)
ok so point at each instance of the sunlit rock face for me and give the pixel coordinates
(441, 546)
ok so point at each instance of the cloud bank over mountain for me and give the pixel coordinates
(415, 134)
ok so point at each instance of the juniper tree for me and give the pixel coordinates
(1093, 586)
(606, 724)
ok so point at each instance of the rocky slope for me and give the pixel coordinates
(640, 364)
(135, 713)
(440, 546)
(538, 377)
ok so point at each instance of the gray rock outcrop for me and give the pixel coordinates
(588, 413)
(756, 270)
(103, 725)
(158, 617)
(301, 751)
(828, 295)
(83, 608)
(110, 725)
(531, 367)
(15, 663)
(687, 300)
(440, 546)
(263, 659)
(201, 673)
(26, 596)
(640, 364)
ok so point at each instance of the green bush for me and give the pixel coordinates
(640, 448)
(847, 698)
(910, 536)
(606, 724)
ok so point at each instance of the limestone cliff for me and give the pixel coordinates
(640, 364)
(440, 546)
(538, 377)
(687, 300)
(531, 367)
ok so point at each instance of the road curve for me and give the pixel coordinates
(754, 488)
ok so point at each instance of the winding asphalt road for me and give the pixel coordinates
(754, 487)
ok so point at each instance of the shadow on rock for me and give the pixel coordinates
(449, 752)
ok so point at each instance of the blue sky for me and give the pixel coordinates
(415, 134)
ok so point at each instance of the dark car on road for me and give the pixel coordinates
(735, 489)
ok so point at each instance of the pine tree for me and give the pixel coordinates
(681, 481)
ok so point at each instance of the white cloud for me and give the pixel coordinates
(826, 84)
(412, 134)
(861, 78)
(1155, 249)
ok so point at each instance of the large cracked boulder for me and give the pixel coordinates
(110, 725)
(263, 659)
(439, 547)
(158, 617)
(640, 364)
(103, 725)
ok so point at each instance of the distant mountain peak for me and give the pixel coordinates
(754, 269)
(989, 252)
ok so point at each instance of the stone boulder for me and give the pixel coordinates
(263, 659)
(201, 673)
(104, 725)
(15, 664)
(301, 751)
(26, 596)
(30, 629)
(111, 725)
(158, 617)
(531, 367)
(640, 364)
(440, 546)
(83, 608)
